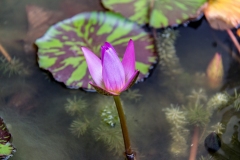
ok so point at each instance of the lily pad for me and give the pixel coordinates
(60, 53)
(158, 13)
(6, 151)
(5, 136)
(6, 148)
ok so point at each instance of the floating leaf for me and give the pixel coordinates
(60, 53)
(135, 10)
(162, 12)
(5, 136)
(6, 151)
(6, 148)
(169, 12)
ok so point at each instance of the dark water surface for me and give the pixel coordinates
(34, 106)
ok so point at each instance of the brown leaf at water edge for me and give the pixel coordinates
(38, 16)
(39, 20)
(222, 14)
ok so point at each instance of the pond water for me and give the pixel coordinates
(39, 112)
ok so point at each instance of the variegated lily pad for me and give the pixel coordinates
(158, 13)
(60, 52)
(5, 136)
(6, 148)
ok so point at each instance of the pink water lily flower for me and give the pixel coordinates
(111, 76)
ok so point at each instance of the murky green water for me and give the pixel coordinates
(37, 109)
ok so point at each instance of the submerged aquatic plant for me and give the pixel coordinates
(205, 158)
(79, 127)
(165, 42)
(236, 104)
(218, 128)
(218, 101)
(111, 136)
(175, 116)
(103, 101)
(197, 96)
(197, 115)
(236, 100)
(14, 67)
(179, 148)
(197, 112)
(132, 94)
(109, 115)
(11, 66)
(111, 77)
(105, 126)
(178, 121)
(75, 105)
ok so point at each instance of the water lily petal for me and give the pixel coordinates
(105, 47)
(128, 61)
(113, 71)
(131, 81)
(94, 65)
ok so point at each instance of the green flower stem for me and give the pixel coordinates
(123, 123)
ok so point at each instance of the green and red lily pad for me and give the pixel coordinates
(158, 13)
(60, 48)
(5, 136)
(6, 148)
